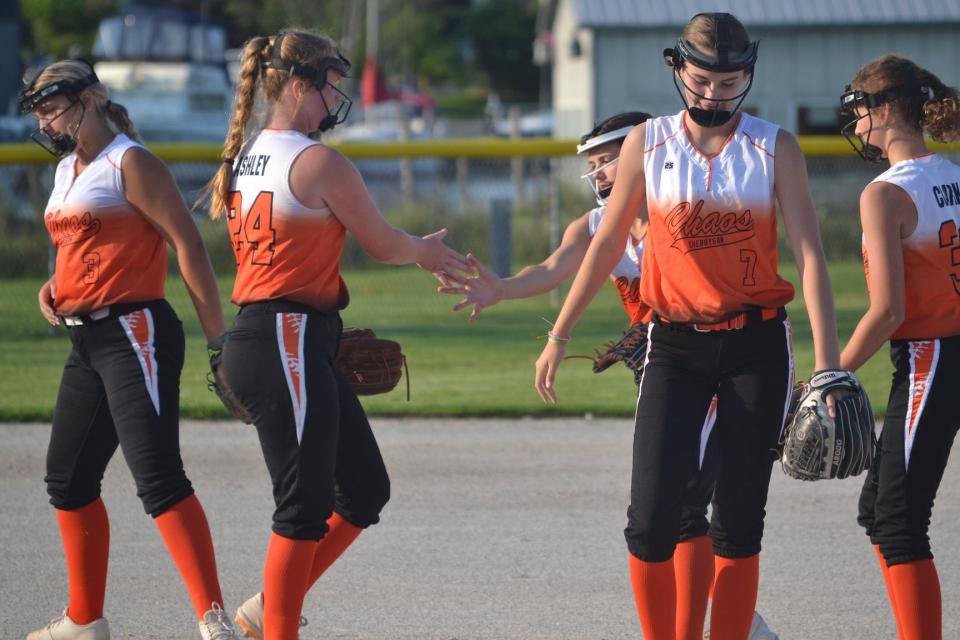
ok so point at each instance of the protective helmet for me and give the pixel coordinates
(684, 52)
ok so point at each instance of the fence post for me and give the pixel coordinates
(501, 242)
(406, 165)
(553, 214)
(516, 163)
(463, 183)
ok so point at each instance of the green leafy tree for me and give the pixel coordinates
(502, 33)
(64, 27)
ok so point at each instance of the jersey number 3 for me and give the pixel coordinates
(255, 230)
(949, 239)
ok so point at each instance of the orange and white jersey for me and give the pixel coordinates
(107, 251)
(284, 249)
(626, 274)
(931, 254)
(712, 241)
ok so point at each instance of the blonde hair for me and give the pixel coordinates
(935, 108)
(76, 70)
(300, 47)
(701, 32)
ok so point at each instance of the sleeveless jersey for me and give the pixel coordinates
(712, 250)
(107, 251)
(284, 249)
(931, 254)
(626, 274)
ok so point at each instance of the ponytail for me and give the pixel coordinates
(251, 60)
(119, 119)
(940, 114)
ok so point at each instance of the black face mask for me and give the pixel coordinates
(710, 117)
(333, 117)
(60, 144)
(867, 151)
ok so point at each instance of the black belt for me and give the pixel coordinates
(739, 321)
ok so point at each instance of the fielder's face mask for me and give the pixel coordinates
(852, 99)
(316, 75)
(586, 144)
(57, 144)
(686, 53)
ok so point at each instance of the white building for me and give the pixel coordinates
(607, 55)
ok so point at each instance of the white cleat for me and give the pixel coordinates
(250, 618)
(758, 630)
(217, 626)
(64, 628)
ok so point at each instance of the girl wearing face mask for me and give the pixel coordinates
(113, 211)
(289, 202)
(911, 251)
(708, 180)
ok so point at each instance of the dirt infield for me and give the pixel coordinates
(498, 529)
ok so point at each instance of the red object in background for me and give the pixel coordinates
(373, 87)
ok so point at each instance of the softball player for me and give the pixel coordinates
(693, 558)
(289, 202)
(708, 180)
(113, 209)
(911, 252)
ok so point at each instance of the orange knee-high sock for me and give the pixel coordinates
(734, 597)
(187, 535)
(655, 592)
(340, 535)
(916, 588)
(693, 570)
(86, 544)
(285, 580)
(890, 594)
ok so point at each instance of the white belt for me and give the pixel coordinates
(74, 321)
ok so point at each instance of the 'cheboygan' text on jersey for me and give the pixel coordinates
(626, 274)
(931, 254)
(712, 242)
(107, 251)
(284, 249)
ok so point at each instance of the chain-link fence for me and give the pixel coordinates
(508, 209)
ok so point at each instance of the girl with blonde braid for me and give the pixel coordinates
(289, 202)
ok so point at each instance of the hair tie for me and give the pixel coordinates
(107, 105)
(228, 161)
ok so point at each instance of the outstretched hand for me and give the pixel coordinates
(439, 259)
(482, 290)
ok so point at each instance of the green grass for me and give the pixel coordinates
(456, 368)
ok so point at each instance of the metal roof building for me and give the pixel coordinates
(607, 54)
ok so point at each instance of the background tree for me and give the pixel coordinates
(63, 27)
(502, 33)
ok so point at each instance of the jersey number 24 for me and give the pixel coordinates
(253, 231)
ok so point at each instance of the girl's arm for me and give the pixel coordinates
(626, 203)
(800, 220)
(150, 188)
(884, 210)
(322, 177)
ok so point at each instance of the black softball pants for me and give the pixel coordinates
(918, 432)
(750, 370)
(316, 440)
(120, 386)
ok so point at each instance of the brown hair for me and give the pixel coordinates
(935, 107)
(701, 32)
(303, 48)
(117, 117)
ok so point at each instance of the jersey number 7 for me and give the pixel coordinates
(253, 233)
